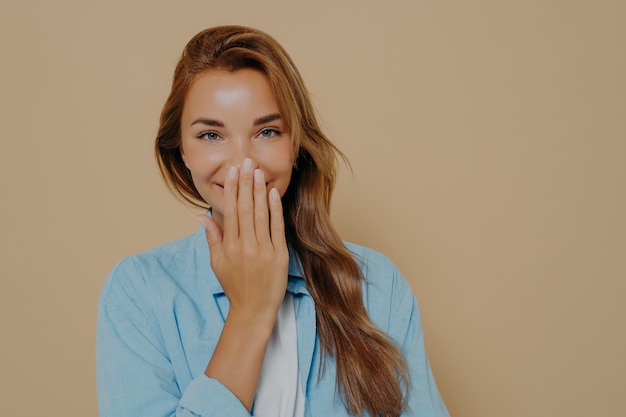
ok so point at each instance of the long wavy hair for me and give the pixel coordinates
(371, 369)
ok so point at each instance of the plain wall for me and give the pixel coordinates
(488, 146)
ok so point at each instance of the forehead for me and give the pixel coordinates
(243, 91)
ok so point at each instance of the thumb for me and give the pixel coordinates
(213, 234)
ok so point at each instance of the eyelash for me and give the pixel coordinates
(263, 134)
(204, 136)
(274, 132)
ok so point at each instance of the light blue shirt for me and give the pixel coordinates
(161, 313)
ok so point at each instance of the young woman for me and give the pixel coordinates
(264, 311)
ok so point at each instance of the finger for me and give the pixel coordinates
(261, 213)
(245, 204)
(277, 222)
(231, 222)
(213, 235)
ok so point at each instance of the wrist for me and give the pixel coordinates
(253, 321)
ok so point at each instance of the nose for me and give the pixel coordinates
(240, 150)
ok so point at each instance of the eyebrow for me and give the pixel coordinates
(267, 119)
(208, 122)
(217, 123)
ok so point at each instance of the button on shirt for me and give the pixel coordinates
(161, 313)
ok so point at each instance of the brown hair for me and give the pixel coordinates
(371, 369)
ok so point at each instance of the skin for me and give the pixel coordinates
(237, 147)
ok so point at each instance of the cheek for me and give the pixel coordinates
(202, 163)
(279, 169)
(278, 160)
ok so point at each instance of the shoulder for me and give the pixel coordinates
(369, 257)
(170, 249)
(376, 267)
(138, 273)
(387, 295)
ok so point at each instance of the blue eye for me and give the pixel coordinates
(209, 136)
(269, 133)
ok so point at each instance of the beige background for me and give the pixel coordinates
(488, 141)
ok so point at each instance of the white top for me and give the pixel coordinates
(279, 393)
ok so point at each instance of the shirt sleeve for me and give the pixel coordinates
(406, 328)
(135, 377)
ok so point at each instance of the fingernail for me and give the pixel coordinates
(258, 176)
(247, 165)
(232, 173)
(274, 195)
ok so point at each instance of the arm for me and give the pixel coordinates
(135, 377)
(250, 259)
(406, 328)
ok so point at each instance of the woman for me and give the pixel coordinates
(277, 316)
